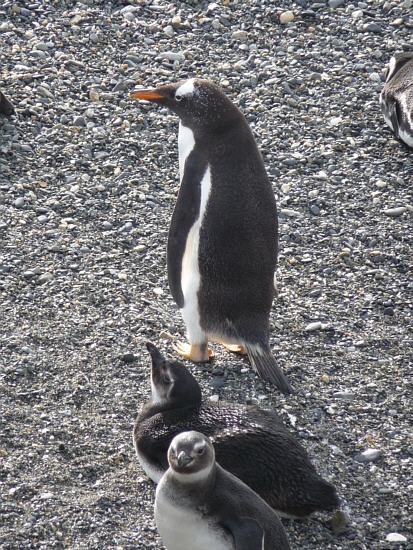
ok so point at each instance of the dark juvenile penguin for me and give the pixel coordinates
(251, 443)
(6, 107)
(396, 98)
(222, 245)
(201, 506)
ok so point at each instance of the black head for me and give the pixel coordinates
(198, 103)
(396, 63)
(171, 382)
(192, 455)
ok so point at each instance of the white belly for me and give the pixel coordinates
(190, 277)
(184, 529)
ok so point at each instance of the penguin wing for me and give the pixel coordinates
(185, 214)
(395, 116)
(247, 533)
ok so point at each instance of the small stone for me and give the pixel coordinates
(128, 358)
(395, 212)
(173, 56)
(176, 20)
(286, 17)
(107, 225)
(44, 278)
(240, 35)
(169, 31)
(93, 94)
(372, 27)
(46, 496)
(214, 398)
(344, 395)
(312, 327)
(44, 92)
(158, 291)
(19, 202)
(129, 16)
(335, 3)
(397, 22)
(369, 455)
(140, 247)
(314, 210)
(335, 121)
(396, 537)
(388, 311)
(357, 14)
(122, 276)
(79, 121)
(325, 378)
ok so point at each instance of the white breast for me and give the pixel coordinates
(182, 528)
(190, 277)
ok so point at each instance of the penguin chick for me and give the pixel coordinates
(396, 98)
(201, 506)
(222, 244)
(251, 443)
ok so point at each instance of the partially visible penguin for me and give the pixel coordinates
(201, 506)
(396, 98)
(250, 442)
(222, 245)
(6, 107)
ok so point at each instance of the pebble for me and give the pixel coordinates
(169, 31)
(240, 35)
(369, 455)
(395, 537)
(312, 327)
(344, 395)
(172, 56)
(107, 225)
(335, 3)
(286, 17)
(128, 358)
(214, 398)
(395, 212)
(79, 121)
(19, 202)
(44, 278)
(372, 27)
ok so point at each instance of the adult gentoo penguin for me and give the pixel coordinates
(222, 245)
(251, 443)
(201, 506)
(396, 98)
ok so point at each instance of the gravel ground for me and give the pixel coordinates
(88, 180)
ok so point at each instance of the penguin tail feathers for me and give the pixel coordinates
(266, 366)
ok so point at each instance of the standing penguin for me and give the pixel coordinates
(201, 506)
(396, 98)
(222, 245)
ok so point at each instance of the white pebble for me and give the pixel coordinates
(396, 537)
(286, 17)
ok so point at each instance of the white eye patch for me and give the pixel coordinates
(187, 88)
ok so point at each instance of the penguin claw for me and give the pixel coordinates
(195, 352)
(236, 348)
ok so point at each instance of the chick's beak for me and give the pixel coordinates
(183, 459)
(147, 95)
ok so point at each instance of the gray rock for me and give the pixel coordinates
(369, 455)
(335, 3)
(79, 121)
(44, 278)
(372, 27)
(395, 212)
(19, 202)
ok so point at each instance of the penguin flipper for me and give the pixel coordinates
(266, 366)
(6, 107)
(395, 117)
(247, 533)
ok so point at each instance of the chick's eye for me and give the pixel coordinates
(178, 97)
(166, 379)
(201, 451)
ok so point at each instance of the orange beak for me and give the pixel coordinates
(147, 95)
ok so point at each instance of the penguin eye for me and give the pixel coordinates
(179, 97)
(201, 451)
